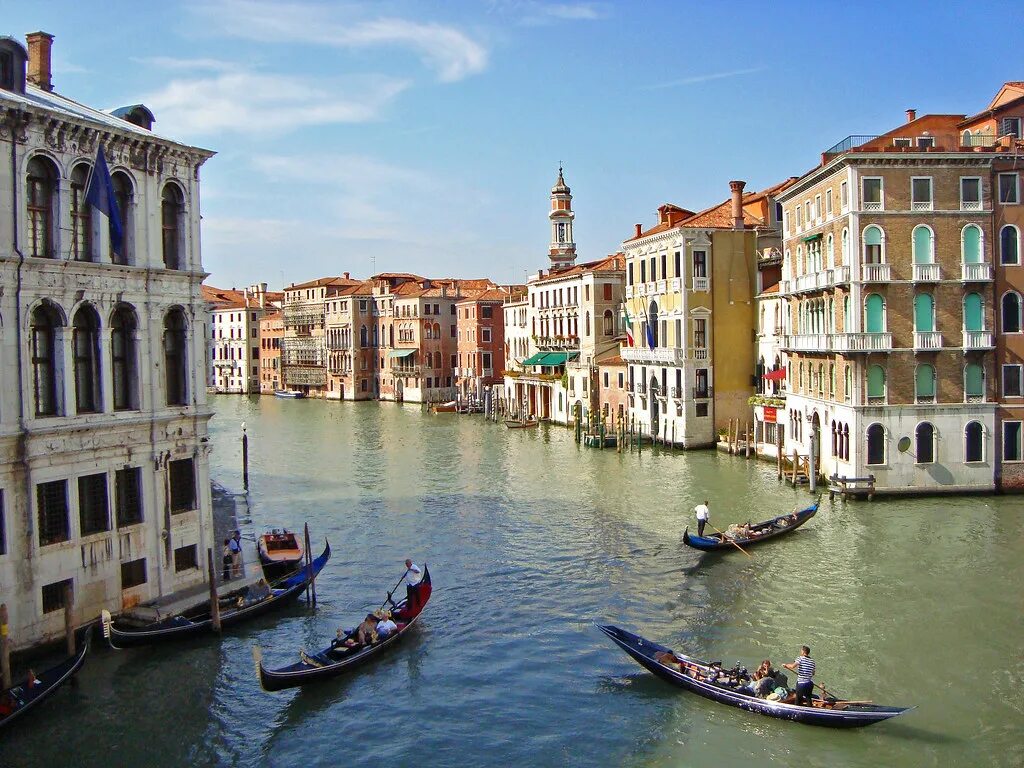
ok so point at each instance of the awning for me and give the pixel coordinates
(558, 358)
(779, 375)
(535, 359)
(811, 237)
(401, 352)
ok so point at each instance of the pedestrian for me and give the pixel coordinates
(236, 554)
(804, 668)
(703, 514)
(228, 560)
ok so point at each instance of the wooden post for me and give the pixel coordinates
(795, 462)
(673, 433)
(214, 601)
(69, 618)
(812, 464)
(778, 449)
(747, 448)
(245, 458)
(311, 589)
(5, 650)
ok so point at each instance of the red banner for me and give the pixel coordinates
(769, 414)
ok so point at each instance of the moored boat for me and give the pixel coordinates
(19, 699)
(289, 394)
(700, 677)
(280, 552)
(340, 657)
(517, 424)
(235, 607)
(763, 531)
(449, 407)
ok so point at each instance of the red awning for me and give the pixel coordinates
(778, 375)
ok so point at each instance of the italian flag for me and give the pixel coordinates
(627, 326)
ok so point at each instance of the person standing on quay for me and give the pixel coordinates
(703, 515)
(236, 554)
(228, 559)
(804, 668)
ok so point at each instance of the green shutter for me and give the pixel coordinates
(924, 316)
(973, 319)
(872, 236)
(972, 245)
(925, 380)
(876, 381)
(974, 380)
(922, 245)
(874, 322)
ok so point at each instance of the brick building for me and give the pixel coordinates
(480, 336)
(271, 333)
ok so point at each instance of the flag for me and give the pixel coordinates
(628, 327)
(100, 196)
(650, 335)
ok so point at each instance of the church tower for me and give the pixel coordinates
(563, 249)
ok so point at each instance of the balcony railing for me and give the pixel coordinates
(676, 392)
(641, 389)
(861, 342)
(701, 394)
(699, 353)
(306, 376)
(405, 372)
(921, 205)
(806, 342)
(927, 341)
(848, 143)
(666, 355)
(975, 273)
(702, 283)
(926, 273)
(875, 273)
(840, 275)
(978, 140)
(629, 291)
(978, 340)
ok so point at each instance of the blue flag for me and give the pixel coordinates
(650, 336)
(100, 196)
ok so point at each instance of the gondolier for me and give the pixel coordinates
(804, 668)
(703, 514)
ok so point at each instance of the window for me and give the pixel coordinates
(485, 360)
(1010, 126)
(621, 380)
(828, 202)
(183, 485)
(643, 271)
(86, 345)
(921, 194)
(133, 573)
(871, 194)
(52, 504)
(81, 216)
(41, 202)
(486, 312)
(844, 195)
(874, 314)
(55, 594)
(817, 207)
(1009, 245)
(485, 334)
(629, 275)
(970, 244)
(1012, 441)
(924, 142)
(1013, 380)
(1009, 192)
(876, 384)
(974, 383)
(970, 193)
(974, 312)
(876, 445)
(93, 509)
(924, 251)
(607, 291)
(700, 335)
(185, 558)
(924, 384)
(901, 141)
(44, 337)
(925, 438)
(974, 442)
(128, 496)
(175, 358)
(700, 264)
(608, 323)
(924, 313)
(873, 252)
(1012, 312)
(171, 218)
(123, 195)
(799, 216)
(700, 409)
(678, 268)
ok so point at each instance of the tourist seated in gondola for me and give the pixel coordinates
(764, 681)
(366, 632)
(385, 625)
(668, 659)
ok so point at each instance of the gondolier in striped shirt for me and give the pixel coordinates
(804, 668)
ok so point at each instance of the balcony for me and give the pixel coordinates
(629, 291)
(699, 353)
(875, 273)
(311, 377)
(927, 341)
(676, 392)
(661, 286)
(840, 275)
(861, 342)
(926, 273)
(976, 273)
(663, 355)
(641, 389)
(978, 340)
(701, 393)
(850, 142)
(807, 342)
(702, 284)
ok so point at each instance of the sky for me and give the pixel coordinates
(425, 137)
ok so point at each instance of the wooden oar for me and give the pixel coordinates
(726, 538)
(389, 600)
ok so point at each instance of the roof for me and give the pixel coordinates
(616, 261)
(323, 281)
(361, 288)
(222, 298)
(773, 288)
(615, 361)
(397, 275)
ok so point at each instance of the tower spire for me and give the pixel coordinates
(562, 252)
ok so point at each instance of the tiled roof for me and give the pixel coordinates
(222, 298)
(615, 360)
(398, 275)
(773, 288)
(362, 288)
(323, 281)
(608, 263)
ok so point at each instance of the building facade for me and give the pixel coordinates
(104, 467)
(304, 345)
(234, 349)
(271, 333)
(480, 337)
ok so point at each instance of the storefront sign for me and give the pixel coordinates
(769, 414)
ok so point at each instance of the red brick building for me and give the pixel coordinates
(480, 335)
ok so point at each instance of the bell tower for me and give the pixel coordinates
(563, 248)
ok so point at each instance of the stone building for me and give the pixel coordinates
(271, 333)
(234, 344)
(304, 346)
(351, 359)
(480, 336)
(104, 469)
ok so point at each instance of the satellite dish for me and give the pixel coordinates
(903, 445)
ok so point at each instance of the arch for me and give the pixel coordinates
(923, 244)
(362, 336)
(848, 383)
(874, 313)
(175, 342)
(875, 444)
(124, 366)
(971, 242)
(82, 242)
(124, 195)
(874, 244)
(41, 202)
(924, 313)
(974, 442)
(974, 312)
(924, 383)
(652, 323)
(1009, 245)
(965, 138)
(172, 218)
(974, 382)
(608, 323)
(1011, 312)
(924, 438)
(437, 330)
(85, 344)
(876, 382)
(830, 250)
(844, 243)
(846, 442)
(44, 335)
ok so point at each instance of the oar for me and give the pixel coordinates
(726, 538)
(389, 600)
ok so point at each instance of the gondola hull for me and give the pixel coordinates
(330, 662)
(512, 424)
(122, 635)
(715, 543)
(23, 699)
(849, 716)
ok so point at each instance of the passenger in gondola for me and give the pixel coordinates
(385, 626)
(764, 679)
(366, 633)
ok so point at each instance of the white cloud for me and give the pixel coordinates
(452, 53)
(694, 79)
(192, 65)
(539, 12)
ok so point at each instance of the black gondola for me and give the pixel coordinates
(19, 699)
(237, 607)
(692, 673)
(767, 529)
(337, 658)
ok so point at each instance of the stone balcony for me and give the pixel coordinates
(875, 273)
(926, 273)
(978, 340)
(816, 281)
(658, 355)
(927, 341)
(838, 342)
(976, 273)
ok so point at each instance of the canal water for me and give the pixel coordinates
(530, 540)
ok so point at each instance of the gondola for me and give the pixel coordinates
(19, 699)
(776, 526)
(336, 658)
(515, 424)
(829, 713)
(280, 552)
(236, 607)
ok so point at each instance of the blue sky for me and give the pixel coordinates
(425, 137)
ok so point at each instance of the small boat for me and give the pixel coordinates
(280, 552)
(767, 529)
(235, 607)
(19, 699)
(289, 394)
(448, 407)
(516, 424)
(693, 675)
(338, 658)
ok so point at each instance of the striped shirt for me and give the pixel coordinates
(804, 669)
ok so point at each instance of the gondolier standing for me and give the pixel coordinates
(703, 514)
(804, 668)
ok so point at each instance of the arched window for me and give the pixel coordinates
(82, 248)
(175, 357)
(924, 313)
(974, 442)
(846, 442)
(925, 439)
(873, 251)
(86, 345)
(830, 250)
(801, 379)
(848, 384)
(609, 323)
(974, 315)
(172, 219)
(924, 383)
(974, 383)
(876, 445)
(41, 200)
(924, 251)
(874, 314)
(437, 330)
(122, 359)
(652, 322)
(123, 195)
(1009, 245)
(45, 333)
(430, 359)
(876, 383)
(1011, 312)
(832, 381)
(844, 250)
(362, 336)
(586, 324)
(970, 244)
(821, 379)
(965, 138)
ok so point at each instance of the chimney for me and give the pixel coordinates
(346, 275)
(639, 229)
(911, 115)
(39, 73)
(737, 203)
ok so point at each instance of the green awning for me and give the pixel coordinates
(558, 358)
(401, 352)
(535, 359)
(812, 237)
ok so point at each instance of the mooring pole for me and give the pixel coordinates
(311, 589)
(245, 458)
(214, 602)
(778, 449)
(5, 650)
(69, 618)
(812, 466)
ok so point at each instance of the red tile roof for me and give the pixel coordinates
(616, 261)
(323, 281)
